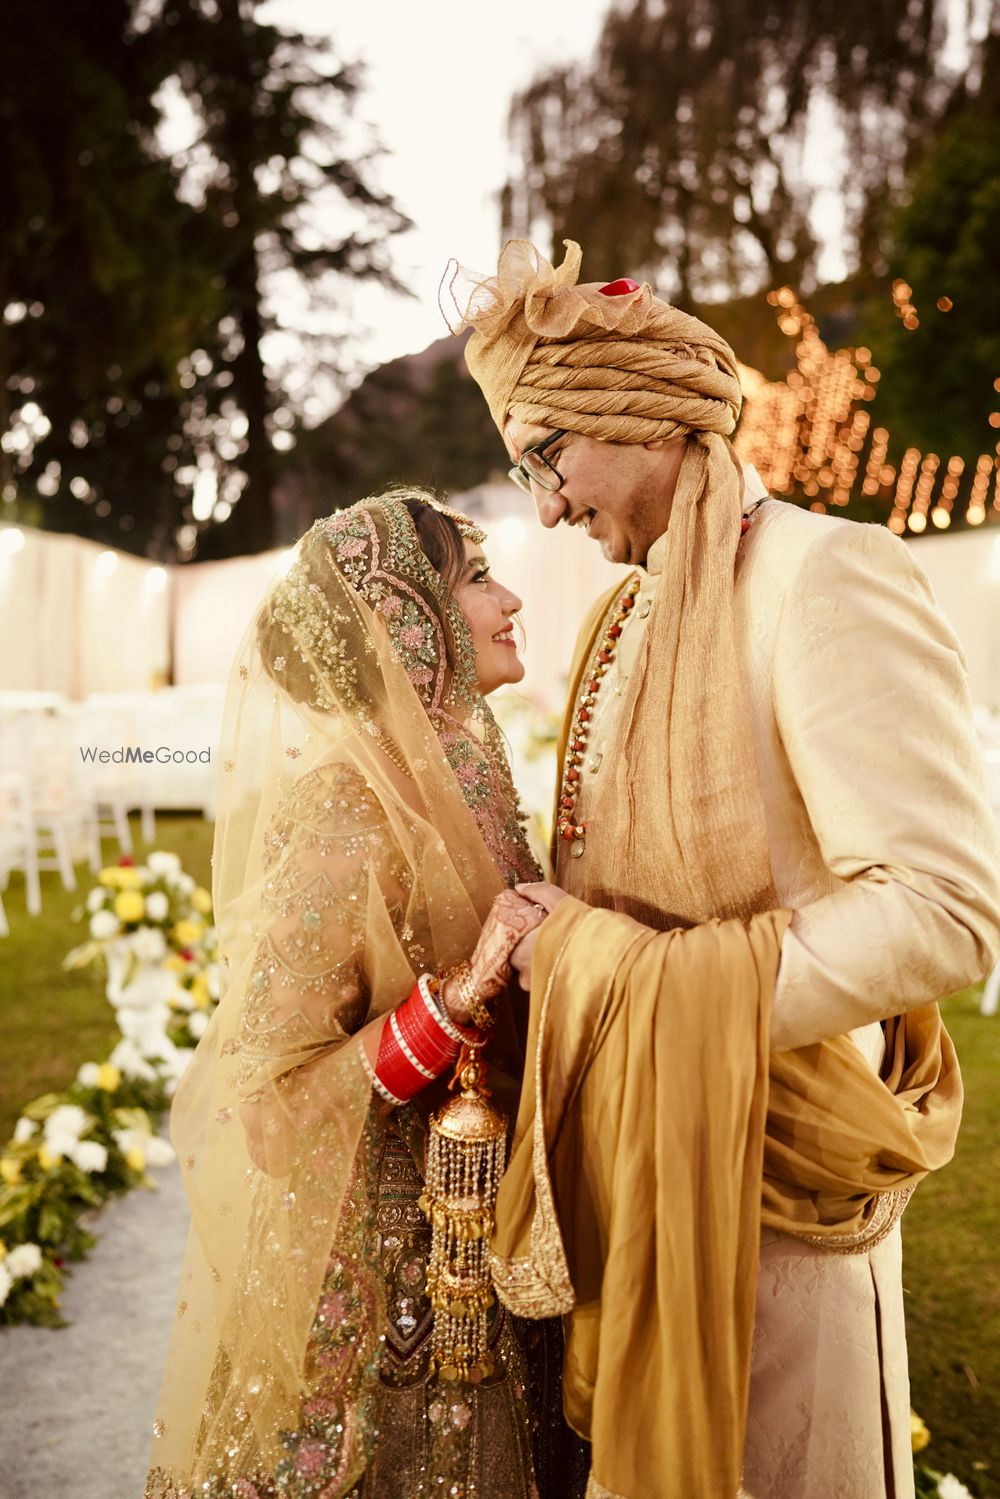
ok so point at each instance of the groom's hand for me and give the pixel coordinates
(548, 897)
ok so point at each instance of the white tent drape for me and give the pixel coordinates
(77, 619)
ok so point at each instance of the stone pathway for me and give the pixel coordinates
(76, 1404)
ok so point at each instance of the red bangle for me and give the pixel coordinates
(415, 1047)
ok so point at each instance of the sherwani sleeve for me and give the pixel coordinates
(872, 706)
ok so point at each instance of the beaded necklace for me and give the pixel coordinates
(567, 826)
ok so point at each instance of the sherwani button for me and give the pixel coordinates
(644, 608)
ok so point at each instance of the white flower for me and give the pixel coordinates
(159, 1152)
(127, 1059)
(149, 988)
(131, 1139)
(66, 1123)
(6, 1281)
(182, 883)
(148, 942)
(161, 862)
(182, 999)
(147, 1029)
(173, 1065)
(104, 925)
(25, 1260)
(90, 1156)
(949, 1487)
(157, 906)
(89, 1075)
(96, 899)
(198, 1023)
(23, 1131)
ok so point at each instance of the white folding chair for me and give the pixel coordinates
(109, 721)
(61, 826)
(18, 842)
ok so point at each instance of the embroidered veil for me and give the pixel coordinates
(366, 821)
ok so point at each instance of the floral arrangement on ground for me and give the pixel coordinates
(150, 927)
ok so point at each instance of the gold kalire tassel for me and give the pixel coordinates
(466, 1150)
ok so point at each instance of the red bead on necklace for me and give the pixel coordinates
(567, 826)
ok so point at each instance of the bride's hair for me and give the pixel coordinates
(440, 539)
(288, 654)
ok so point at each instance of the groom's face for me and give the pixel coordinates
(619, 493)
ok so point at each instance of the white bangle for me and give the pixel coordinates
(377, 1082)
(407, 1053)
(438, 1012)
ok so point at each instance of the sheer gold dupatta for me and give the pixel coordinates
(366, 821)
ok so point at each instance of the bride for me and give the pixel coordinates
(367, 821)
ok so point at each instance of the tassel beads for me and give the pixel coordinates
(466, 1151)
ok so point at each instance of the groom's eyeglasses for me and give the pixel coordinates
(534, 467)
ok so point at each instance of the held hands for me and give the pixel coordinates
(548, 897)
(511, 919)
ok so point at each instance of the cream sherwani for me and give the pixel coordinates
(882, 843)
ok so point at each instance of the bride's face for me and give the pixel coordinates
(489, 608)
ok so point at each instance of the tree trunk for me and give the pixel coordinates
(252, 521)
(253, 516)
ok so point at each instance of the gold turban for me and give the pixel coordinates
(624, 367)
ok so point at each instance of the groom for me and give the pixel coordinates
(771, 715)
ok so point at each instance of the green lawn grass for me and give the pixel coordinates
(951, 1271)
(52, 1021)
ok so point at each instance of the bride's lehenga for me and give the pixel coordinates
(299, 1367)
(502, 1438)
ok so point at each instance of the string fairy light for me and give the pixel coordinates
(811, 436)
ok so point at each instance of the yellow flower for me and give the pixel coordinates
(111, 877)
(200, 994)
(46, 1159)
(135, 1158)
(919, 1435)
(3, 1250)
(129, 906)
(129, 879)
(201, 900)
(10, 1170)
(175, 963)
(108, 1077)
(187, 933)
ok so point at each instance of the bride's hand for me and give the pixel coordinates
(511, 919)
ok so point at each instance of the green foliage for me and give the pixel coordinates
(136, 286)
(53, 1020)
(419, 420)
(44, 1206)
(937, 387)
(102, 273)
(677, 152)
(950, 1232)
